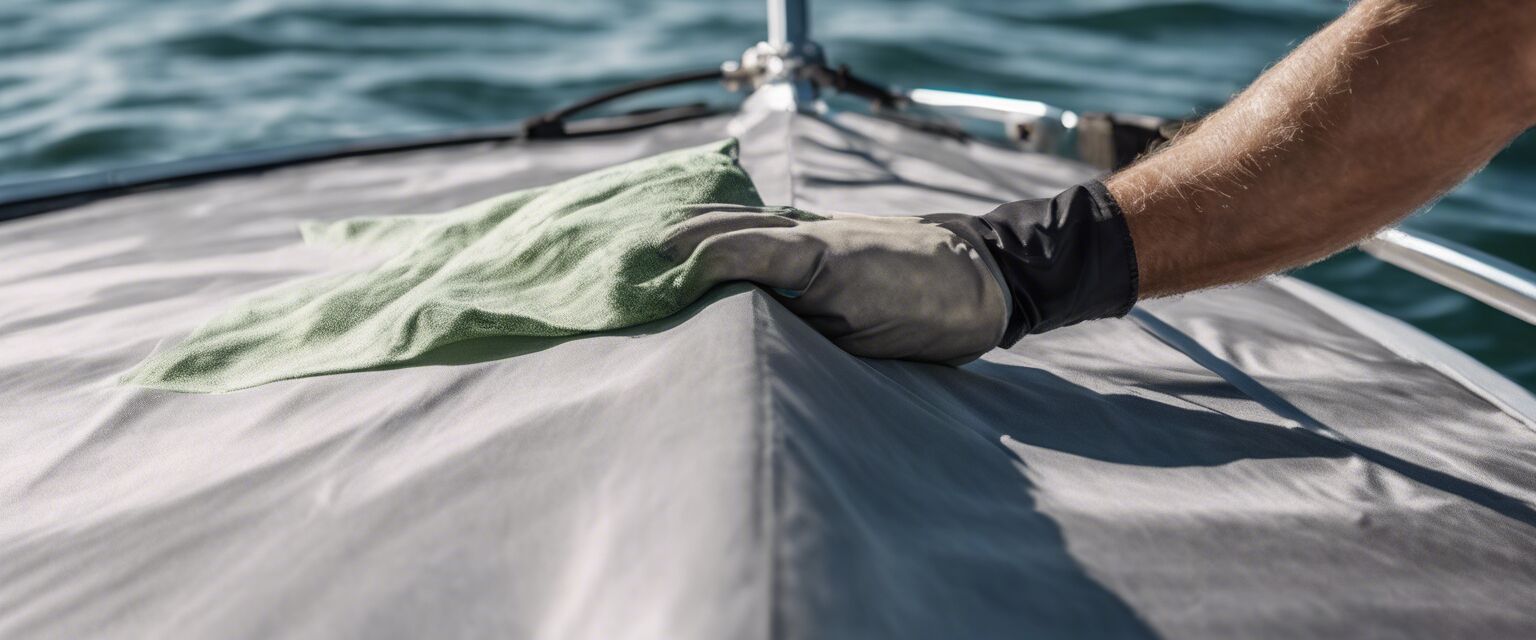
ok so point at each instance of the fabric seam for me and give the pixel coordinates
(1282, 407)
(768, 495)
(770, 461)
(1471, 387)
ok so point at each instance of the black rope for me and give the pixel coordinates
(844, 81)
(552, 124)
(22, 200)
(32, 198)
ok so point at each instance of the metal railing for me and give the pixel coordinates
(1051, 127)
(778, 66)
(1499, 284)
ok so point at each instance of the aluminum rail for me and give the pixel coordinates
(1051, 128)
(789, 23)
(994, 108)
(1497, 283)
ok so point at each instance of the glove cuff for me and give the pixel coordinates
(1063, 260)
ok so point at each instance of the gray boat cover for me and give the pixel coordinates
(1258, 461)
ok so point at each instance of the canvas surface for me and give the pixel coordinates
(579, 256)
(1259, 461)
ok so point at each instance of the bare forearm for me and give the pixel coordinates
(1382, 111)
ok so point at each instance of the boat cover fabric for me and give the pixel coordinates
(583, 255)
(1257, 461)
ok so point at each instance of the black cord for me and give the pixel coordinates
(552, 124)
(22, 200)
(33, 198)
(844, 81)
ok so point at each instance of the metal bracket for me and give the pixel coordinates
(781, 64)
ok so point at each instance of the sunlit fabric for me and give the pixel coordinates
(580, 256)
(1263, 461)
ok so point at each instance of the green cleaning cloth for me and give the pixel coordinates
(579, 256)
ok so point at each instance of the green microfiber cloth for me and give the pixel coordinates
(579, 256)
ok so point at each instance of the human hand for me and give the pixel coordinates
(880, 287)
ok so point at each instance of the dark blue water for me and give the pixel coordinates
(92, 84)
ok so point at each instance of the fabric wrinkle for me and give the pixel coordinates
(582, 256)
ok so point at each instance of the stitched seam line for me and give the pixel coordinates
(1487, 396)
(767, 475)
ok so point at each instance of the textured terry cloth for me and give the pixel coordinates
(579, 256)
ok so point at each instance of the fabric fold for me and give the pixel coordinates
(574, 257)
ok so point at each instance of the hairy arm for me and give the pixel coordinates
(1380, 112)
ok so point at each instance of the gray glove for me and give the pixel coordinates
(943, 287)
(877, 287)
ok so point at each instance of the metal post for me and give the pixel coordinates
(777, 66)
(788, 24)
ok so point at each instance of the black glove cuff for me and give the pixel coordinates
(1065, 259)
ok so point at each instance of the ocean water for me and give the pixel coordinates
(87, 85)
